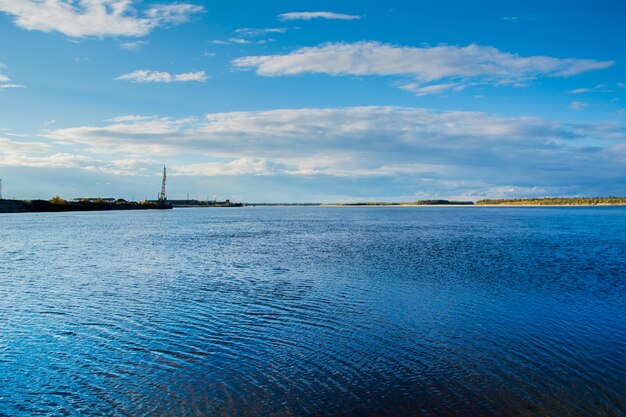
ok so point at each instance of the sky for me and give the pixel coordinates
(312, 101)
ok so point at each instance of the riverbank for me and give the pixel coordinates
(43, 206)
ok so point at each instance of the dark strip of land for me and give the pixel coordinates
(414, 203)
(43, 206)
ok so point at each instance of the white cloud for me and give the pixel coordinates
(317, 15)
(463, 65)
(175, 13)
(253, 32)
(3, 86)
(12, 147)
(580, 91)
(148, 76)
(133, 46)
(130, 118)
(31, 154)
(127, 166)
(4, 81)
(529, 18)
(600, 88)
(420, 90)
(231, 40)
(82, 18)
(243, 166)
(240, 41)
(578, 105)
(244, 35)
(58, 160)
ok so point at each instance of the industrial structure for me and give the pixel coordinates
(163, 195)
(162, 199)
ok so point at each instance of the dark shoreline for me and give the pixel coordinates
(43, 206)
(415, 203)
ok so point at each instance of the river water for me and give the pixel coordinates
(432, 311)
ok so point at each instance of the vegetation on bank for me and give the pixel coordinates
(560, 201)
(58, 200)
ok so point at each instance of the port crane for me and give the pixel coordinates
(163, 195)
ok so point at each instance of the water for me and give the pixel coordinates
(314, 311)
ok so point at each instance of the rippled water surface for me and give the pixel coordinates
(314, 311)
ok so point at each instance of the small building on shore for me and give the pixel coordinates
(93, 200)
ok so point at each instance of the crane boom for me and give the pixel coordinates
(163, 195)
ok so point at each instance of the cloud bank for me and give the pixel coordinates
(459, 67)
(418, 152)
(83, 18)
(451, 153)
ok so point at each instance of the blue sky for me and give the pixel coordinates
(313, 101)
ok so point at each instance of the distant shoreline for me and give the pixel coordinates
(59, 205)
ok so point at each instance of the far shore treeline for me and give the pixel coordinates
(558, 201)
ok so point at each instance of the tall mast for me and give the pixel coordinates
(163, 196)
